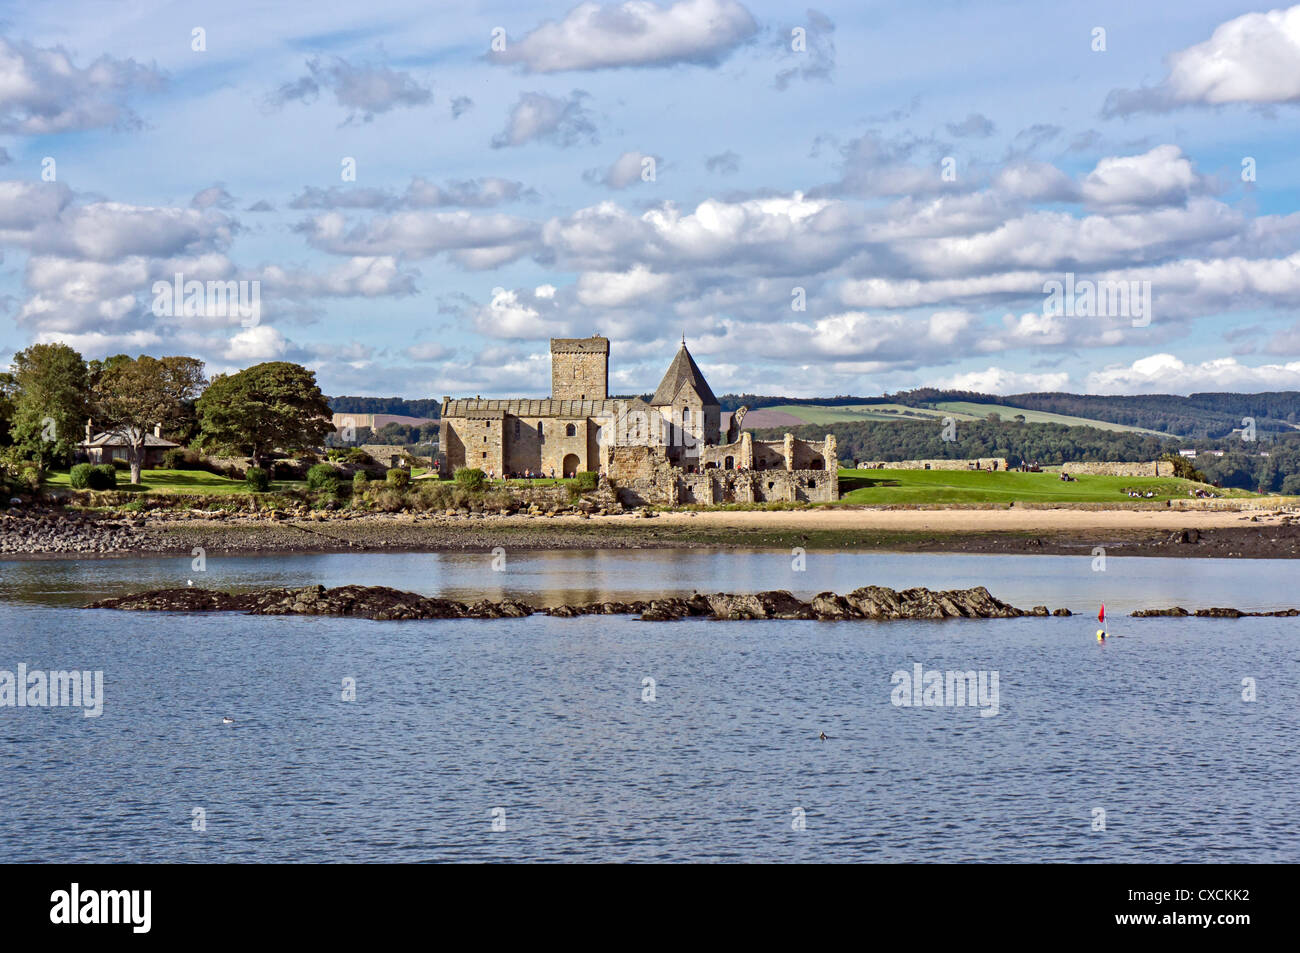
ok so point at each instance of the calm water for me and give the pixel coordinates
(544, 718)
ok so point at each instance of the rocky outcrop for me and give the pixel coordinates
(1213, 613)
(28, 529)
(875, 603)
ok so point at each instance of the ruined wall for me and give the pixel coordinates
(983, 463)
(1162, 468)
(643, 476)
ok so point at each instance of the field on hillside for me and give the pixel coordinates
(1034, 416)
(958, 410)
(982, 486)
(818, 414)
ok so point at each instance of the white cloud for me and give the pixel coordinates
(635, 33)
(262, 343)
(363, 89)
(1166, 374)
(999, 380)
(42, 92)
(606, 289)
(1162, 176)
(1254, 58)
(538, 117)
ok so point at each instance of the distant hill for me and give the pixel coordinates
(1199, 416)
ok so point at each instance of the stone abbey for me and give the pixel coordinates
(670, 449)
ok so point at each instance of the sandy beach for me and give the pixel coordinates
(1013, 520)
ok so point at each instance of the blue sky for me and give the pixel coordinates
(504, 196)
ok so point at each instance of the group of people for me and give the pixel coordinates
(1139, 496)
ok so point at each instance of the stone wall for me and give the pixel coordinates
(389, 454)
(579, 368)
(983, 463)
(1161, 468)
(643, 476)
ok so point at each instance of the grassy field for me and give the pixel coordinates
(1034, 416)
(816, 414)
(981, 486)
(176, 481)
(958, 410)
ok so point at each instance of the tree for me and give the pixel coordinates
(8, 391)
(266, 407)
(48, 402)
(131, 396)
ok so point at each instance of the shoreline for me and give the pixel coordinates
(48, 533)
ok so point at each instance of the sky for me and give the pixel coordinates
(855, 198)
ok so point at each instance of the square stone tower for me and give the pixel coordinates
(580, 368)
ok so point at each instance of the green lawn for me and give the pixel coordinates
(982, 486)
(176, 481)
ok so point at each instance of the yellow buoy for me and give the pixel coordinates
(1101, 635)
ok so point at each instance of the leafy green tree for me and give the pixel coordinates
(133, 395)
(263, 408)
(1183, 467)
(8, 391)
(49, 400)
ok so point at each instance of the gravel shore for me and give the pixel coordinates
(51, 532)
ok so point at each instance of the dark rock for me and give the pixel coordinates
(383, 603)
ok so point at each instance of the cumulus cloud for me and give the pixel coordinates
(252, 345)
(999, 380)
(1036, 182)
(1167, 374)
(1163, 176)
(538, 117)
(365, 90)
(42, 92)
(361, 276)
(475, 241)
(637, 33)
(1254, 58)
(521, 313)
(606, 289)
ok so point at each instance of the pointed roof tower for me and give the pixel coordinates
(681, 372)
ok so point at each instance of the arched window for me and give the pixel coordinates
(539, 430)
(686, 415)
(570, 430)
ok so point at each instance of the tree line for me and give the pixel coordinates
(50, 392)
